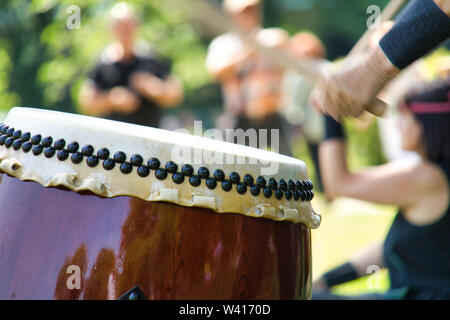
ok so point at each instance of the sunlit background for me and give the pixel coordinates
(43, 63)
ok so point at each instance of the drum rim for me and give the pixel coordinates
(16, 141)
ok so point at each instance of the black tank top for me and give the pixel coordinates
(418, 257)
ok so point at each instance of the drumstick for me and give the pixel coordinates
(313, 69)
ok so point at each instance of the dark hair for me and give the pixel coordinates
(436, 126)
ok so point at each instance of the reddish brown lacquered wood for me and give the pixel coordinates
(169, 251)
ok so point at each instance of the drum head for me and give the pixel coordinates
(111, 159)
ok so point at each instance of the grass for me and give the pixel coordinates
(347, 227)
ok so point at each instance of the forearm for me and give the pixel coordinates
(419, 28)
(165, 93)
(444, 5)
(363, 264)
(371, 256)
(94, 102)
(332, 157)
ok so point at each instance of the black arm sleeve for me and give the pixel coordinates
(333, 129)
(419, 28)
(344, 273)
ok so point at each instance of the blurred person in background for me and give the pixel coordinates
(251, 84)
(296, 90)
(128, 85)
(416, 251)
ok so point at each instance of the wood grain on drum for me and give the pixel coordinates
(169, 251)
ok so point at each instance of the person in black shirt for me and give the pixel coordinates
(416, 251)
(125, 85)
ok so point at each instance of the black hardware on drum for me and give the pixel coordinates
(299, 190)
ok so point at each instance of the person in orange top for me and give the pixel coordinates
(251, 84)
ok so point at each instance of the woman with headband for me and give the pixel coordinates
(416, 250)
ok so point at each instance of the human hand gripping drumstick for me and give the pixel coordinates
(354, 87)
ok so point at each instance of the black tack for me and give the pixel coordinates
(92, 161)
(267, 192)
(17, 134)
(126, 168)
(3, 139)
(283, 184)
(296, 195)
(203, 172)
(278, 194)
(87, 150)
(143, 171)
(187, 170)
(77, 157)
(153, 163)
(161, 173)
(47, 142)
(4, 129)
(109, 164)
(255, 190)
(292, 185)
(305, 185)
(120, 157)
(8, 142)
(288, 194)
(136, 160)
(234, 177)
(10, 132)
(299, 185)
(37, 149)
(59, 144)
(62, 154)
(241, 188)
(195, 181)
(226, 185)
(211, 183)
(178, 177)
(17, 144)
(303, 195)
(36, 139)
(272, 184)
(171, 167)
(219, 175)
(73, 147)
(307, 195)
(103, 153)
(248, 179)
(49, 152)
(26, 147)
(26, 136)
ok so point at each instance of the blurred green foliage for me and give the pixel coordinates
(339, 23)
(43, 63)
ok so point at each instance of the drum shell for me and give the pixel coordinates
(169, 251)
